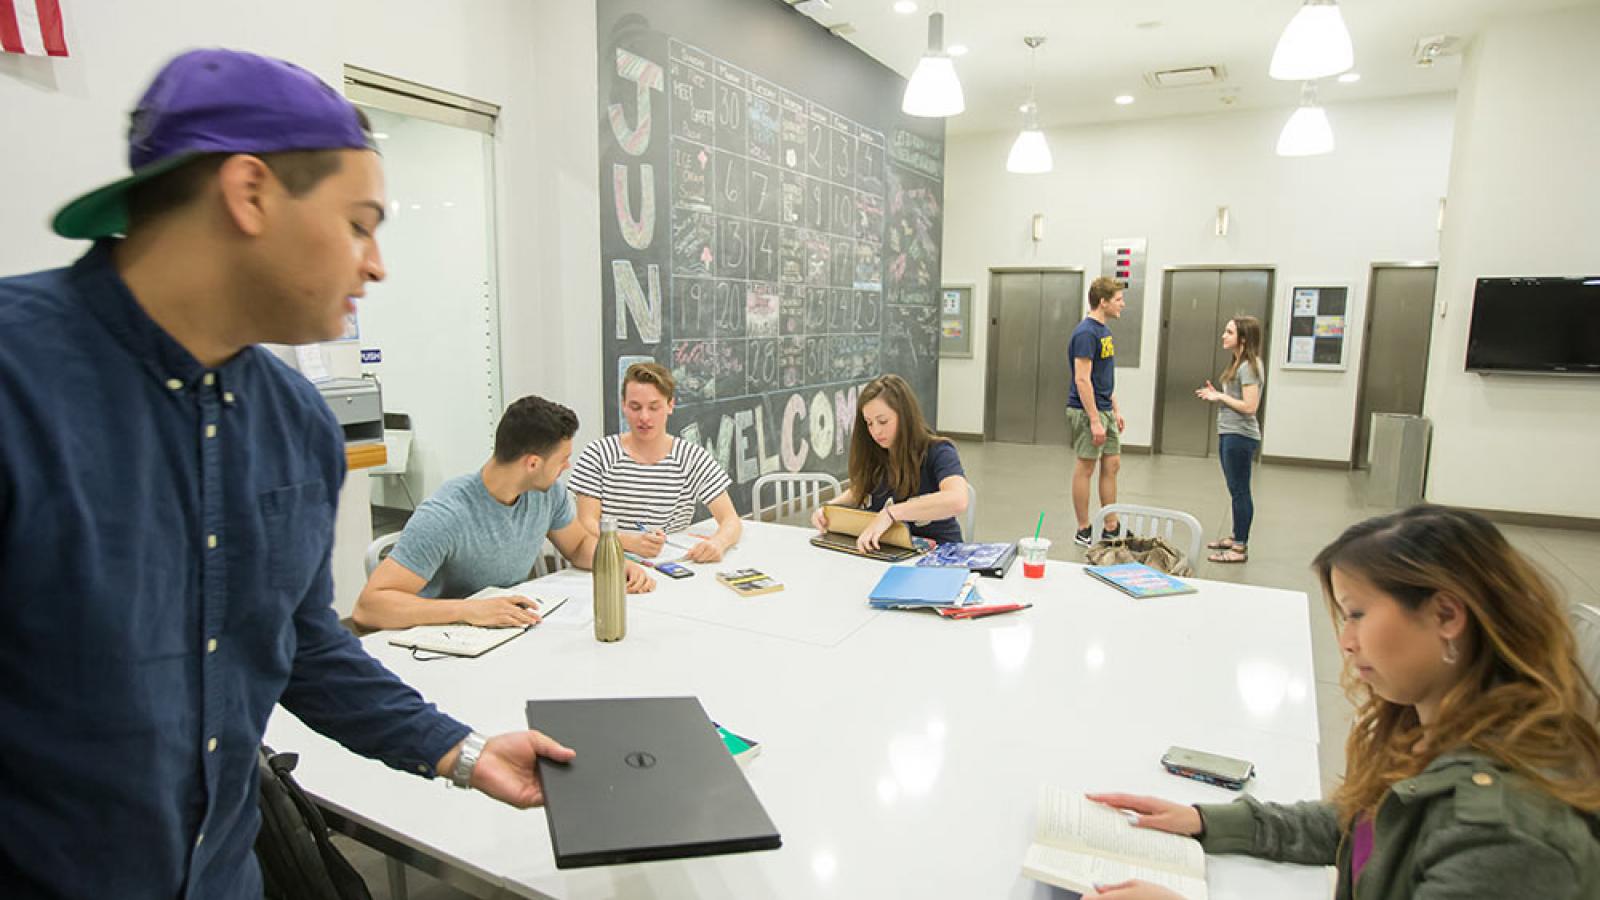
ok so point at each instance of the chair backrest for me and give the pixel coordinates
(969, 519)
(1153, 521)
(1586, 627)
(549, 560)
(379, 549)
(791, 493)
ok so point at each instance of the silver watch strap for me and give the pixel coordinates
(467, 760)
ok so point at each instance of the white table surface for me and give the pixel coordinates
(902, 753)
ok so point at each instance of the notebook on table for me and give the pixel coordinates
(906, 587)
(986, 559)
(845, 524)
(1139, 581)
(652, 780)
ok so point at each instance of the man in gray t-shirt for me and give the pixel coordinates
(486, 529)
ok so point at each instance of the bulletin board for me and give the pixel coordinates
(955, 321)
(1319, 317)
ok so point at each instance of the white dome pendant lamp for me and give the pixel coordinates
(934, 91)
(1315, 44)
(1307, 133)
(1030, 155)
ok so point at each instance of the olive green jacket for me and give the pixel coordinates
(1465, 827)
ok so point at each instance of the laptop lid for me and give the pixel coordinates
(652, 780)
(844, 543)
(851, 521)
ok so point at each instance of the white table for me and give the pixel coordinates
(901, 753)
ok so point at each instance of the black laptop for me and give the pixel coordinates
(652, 780)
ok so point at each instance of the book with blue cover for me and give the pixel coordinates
(1139, 581)
(985, 559)
(912, 586)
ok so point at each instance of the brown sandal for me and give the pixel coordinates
(1230, 556)
(1221, 544)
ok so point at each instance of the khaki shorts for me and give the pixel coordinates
(1083, 437)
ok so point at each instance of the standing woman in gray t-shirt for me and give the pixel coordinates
(1238, 432)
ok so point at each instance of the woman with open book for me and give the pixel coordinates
(916, 475)
(1473, 765)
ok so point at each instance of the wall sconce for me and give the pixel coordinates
(1038, 227)
(1222, 221)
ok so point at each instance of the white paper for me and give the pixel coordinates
(1302, 349)
(311, 362)
(1305, 301)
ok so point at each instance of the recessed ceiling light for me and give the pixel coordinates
(905, 7)
(1124, 99)
(1350, 78)
(956, 49)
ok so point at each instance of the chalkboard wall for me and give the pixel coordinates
(770, 227)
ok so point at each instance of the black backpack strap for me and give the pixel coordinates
(298, 858)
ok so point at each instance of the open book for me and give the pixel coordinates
(1078, 844)
(474, 640)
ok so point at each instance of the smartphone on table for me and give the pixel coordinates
(674, 570)
(1212, 768)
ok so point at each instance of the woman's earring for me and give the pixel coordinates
(1450, 655)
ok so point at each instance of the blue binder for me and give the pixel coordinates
(919, 586)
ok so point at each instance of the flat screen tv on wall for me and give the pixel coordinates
(1539, 325)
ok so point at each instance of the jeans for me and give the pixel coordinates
(1236, 451)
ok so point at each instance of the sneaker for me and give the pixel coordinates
(1083, 537)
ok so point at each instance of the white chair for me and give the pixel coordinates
(793, 494)
(397, 446)
(969, 519)
(1586, 628)
(1152, 521)
(379, 550)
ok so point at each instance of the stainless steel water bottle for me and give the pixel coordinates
(610, 585)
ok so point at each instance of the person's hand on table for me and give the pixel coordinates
(647, 544)
(706, 549)
(505, 769)
(638, 580)
(1155, 813)
(1132, 890)
(868, 539)
(819, 519)
(501, 612)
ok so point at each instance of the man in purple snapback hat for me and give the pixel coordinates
(167, 499)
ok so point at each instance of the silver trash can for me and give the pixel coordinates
(1398, 459)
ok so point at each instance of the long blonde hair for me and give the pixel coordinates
(901, 464)
(1521, 697)
(1248, 348)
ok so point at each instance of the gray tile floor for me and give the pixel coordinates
(1298, 511)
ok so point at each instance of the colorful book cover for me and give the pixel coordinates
(1139, 580)
(989, 559)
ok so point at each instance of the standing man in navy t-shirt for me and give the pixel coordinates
(1092, 413)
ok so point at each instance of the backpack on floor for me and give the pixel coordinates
(298, 860)
(1154, 552)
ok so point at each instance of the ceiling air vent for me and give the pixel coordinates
(1193, 76)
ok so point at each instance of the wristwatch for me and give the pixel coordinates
(467, 760)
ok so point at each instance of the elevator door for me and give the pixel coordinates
(1394, 366)
(1196, 305)
(1031, 317)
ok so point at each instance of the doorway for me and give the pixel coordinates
(1398, 333)
(1196, 303)
(1031, 316)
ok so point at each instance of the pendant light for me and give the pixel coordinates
(934, 91)
(1307, 133)
(1030, 155)
(1315, 44)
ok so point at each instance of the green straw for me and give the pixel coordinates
(1038, 526)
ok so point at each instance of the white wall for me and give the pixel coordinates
(1374, 199)
(1523, 201)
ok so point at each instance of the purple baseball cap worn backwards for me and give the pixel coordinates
(216, 101)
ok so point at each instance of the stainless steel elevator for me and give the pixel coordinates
(1397, 335)
(1031, 316)
(1196, 303)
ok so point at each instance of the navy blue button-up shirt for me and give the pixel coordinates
(164, 580)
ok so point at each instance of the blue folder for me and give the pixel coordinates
(918, 586)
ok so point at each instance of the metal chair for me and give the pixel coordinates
(1152, 521)
(379, 550)
(1586, 628)
(793, 494)
(969, 519)
(549, 561)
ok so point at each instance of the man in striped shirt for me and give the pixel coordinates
(651, 481)
(485, 529)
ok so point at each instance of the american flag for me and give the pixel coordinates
(32, 27)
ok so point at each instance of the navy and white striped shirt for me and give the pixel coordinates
(164, 580)
(662, 495)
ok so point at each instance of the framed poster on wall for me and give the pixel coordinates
(1319, 317)
(955, 321)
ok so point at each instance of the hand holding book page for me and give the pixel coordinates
(1079, 844)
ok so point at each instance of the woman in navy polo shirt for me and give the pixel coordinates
(917, 475)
